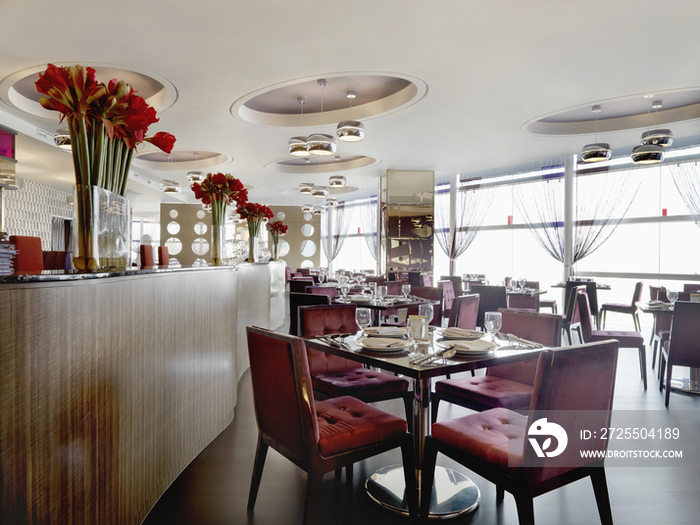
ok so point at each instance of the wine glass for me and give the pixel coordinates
(521, 283)
(672, 296)
(344, 288)
(363, 318)
(492, 322)
(427, 312)
(406, 290)
(380, 293)
(321, 278)
(417, 329)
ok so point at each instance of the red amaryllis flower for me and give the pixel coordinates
(164, 141)
(254, 211)
(277, 227)
(71, 90)
(219, 186)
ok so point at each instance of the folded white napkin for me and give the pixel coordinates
(461, 332)
(479, 345)
(386, 330)
(378, 342)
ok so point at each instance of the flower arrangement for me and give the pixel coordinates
(276, 228)
(106, 123)
(254, 214)
(218, 190)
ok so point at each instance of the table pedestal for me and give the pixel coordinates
(453, 493)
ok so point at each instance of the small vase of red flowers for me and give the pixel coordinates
(255, 214)
(276, 229)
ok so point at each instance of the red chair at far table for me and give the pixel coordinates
(29, 257)
(335, 376)
(627, 339)
(318, 437)
(464, 312)
(163, 257)
(146, 252)
(683, 348)
(574, 384)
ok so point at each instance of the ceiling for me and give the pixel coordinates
(490, 76)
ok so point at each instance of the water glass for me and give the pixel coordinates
(417, 329)
(492, 323)
(427, 312)
(380, 293)
(672, 296)
(522, 283)
(363, 318)
(406, 290)
(344, 288)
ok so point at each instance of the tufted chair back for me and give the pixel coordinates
(330, 291)
(299, 284)
(426, 280)
(302, 299)
(538, 328)
(282, 390)
(456, 283)
(393, 287)
(448, 296)
(29, 258)
(464, 312)
(322, 320)
(491, 298)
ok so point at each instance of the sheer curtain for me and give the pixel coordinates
(685, 177)
(368, 223)
(334, 229)
(473, 202)
(602, 198)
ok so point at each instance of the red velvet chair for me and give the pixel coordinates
(302, 299)
(426, 280)
(448, 296)
(54, 260)
(330, 291)
(335, 376)
(625, 308)
(306, 272)
(464, 312)
(163, 257)
(146, 253)
(393, 287)
(572, 316)
(683, 348)
(29, 258)
(318, 437)
(491, 299)
(691, 287)
(508, 385)
(379, 280)
(456, 283)
(627, 339)
(574, 384)
(299, 284)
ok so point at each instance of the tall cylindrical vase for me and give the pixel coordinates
(218, 210)
(275, 246)
(253, 228)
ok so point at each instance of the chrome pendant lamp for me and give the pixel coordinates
(305, 187)
(298, 146)
(652, 148)
(350, 130)
(62, 139)
(598, 151)
(320, 143)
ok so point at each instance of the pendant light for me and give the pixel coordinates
(319, 143)
(307, 208)
(350, 130)
(336, 181)
(62, 139)
(170, 187)
(297, 145)
(331, 202)
(653, 143)
(598, 151)
(194, 176)
(305, 187)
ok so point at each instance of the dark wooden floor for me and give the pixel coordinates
(213, 490)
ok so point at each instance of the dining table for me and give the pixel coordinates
(454, 493)
(390, 302)
(691, 384)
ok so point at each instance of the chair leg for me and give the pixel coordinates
(653, 344)
(603, 315)
(429, 460)
(602, 498)
(260, 455)
(662, 369)
(409, 473)
(434, 402)
(643, 364)
(500, 494)
(408, 407)
(567, 331)
(526, 509)
(313, 487)
(349, 470)
(668, 383)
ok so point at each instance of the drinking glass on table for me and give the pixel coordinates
(672, 296)
(492, 323)
(344, 288)
(363, 318)
(521, 283)
(380, 293)
(321, 278)
(406, 290)
(426, 311)
(417, 329)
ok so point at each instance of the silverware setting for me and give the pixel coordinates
(515, 340)
(425, 359)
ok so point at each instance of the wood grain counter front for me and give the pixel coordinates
(109, 387)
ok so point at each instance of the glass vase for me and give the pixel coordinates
(218, 211)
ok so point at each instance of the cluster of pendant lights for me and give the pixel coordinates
(652, 148)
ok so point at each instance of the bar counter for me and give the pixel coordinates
(112, 383)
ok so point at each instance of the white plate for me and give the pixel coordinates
(380, 344)
(479, 346)
(385, 331)
(457, 333)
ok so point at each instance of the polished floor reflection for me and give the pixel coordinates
(213, 489)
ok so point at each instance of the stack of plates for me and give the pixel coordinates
(461, 333)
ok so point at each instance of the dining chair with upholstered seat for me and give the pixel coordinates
(318, 437)
(330, 291)
(572, 317)
(456, 283)
(691, 287)
(448, 297)
(574, 384)
(627, 339)
(299, 284)
(625, 308)
(491, 299)
(393, 287)
(683, 347)
(465, 310)
(335, 376)
(303, 299)
(29, 257)
(508, 385)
